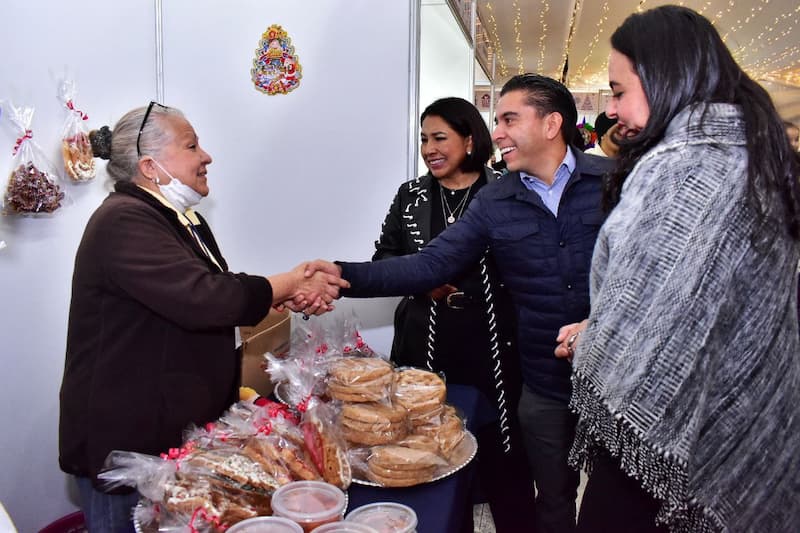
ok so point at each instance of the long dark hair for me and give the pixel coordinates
(466, 120)
(681, 60)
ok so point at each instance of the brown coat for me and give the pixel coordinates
(150, 342)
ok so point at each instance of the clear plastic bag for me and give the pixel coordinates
(33, 184)
(79, 163)
(149, 474)
(328, 358)
(227, 470)
(332, 334)
(326, 444)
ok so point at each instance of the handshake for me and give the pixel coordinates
(309, 288)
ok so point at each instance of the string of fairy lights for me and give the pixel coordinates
(593, 43)
(718, 14)
(754, 12)
(497, 45)
(570, 34)
(483, 43)
(702, 9)
(518, 51)
(781, 64)
(769, 35)
(543, 11)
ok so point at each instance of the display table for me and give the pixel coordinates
(443, 505)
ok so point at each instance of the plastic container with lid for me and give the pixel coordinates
(265, 524)
(344, 527)
(385, 517)
(309, 503)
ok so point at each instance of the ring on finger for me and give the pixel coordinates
(572, 338)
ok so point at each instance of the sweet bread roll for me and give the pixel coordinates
(375, 391)
(419, 391)
(360, 379)
(358, 370)
(371, 427)
(447, 430)
(419, 442)
(408, 481)
(373, 412)
(78, 157)
(402, 458)
(400, 466)
(433, 416)
(420, 474)
(451, 433)
(374, 438)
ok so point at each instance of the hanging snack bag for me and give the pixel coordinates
(75, 146)
(33, 186)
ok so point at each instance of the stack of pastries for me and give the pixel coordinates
(399, 430)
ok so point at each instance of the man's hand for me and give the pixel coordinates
(314, 290)
(320, 265)
(439, 293)
(568, 339)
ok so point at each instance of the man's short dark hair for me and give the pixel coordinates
(547, 95)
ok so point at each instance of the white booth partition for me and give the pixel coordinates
(446, 57)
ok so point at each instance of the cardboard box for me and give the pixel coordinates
(270, 335)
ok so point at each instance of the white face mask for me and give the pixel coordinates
(180, 195)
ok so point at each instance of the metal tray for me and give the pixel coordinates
(465, 451)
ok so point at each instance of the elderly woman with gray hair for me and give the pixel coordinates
(150, 341)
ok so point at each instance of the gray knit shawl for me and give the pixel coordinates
(689, 369)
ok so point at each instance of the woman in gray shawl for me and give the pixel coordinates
(687, 372)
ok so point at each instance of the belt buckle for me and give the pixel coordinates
(451, 303)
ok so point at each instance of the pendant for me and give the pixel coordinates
(451, 219)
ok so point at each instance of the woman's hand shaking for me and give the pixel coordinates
(316, 286)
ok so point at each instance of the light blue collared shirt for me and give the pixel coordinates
(551, 194)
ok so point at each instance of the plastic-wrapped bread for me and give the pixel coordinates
(360, 379)
(372, 423)
(76, 149)
(400, 466)
(78, 158)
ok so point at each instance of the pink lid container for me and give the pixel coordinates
(309, 503)
(385, 517)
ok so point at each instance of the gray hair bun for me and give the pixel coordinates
(101, 142)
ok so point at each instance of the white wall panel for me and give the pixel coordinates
(306, 174)
(446, 59)
(107, 47)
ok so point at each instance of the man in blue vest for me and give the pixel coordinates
(540, 222)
